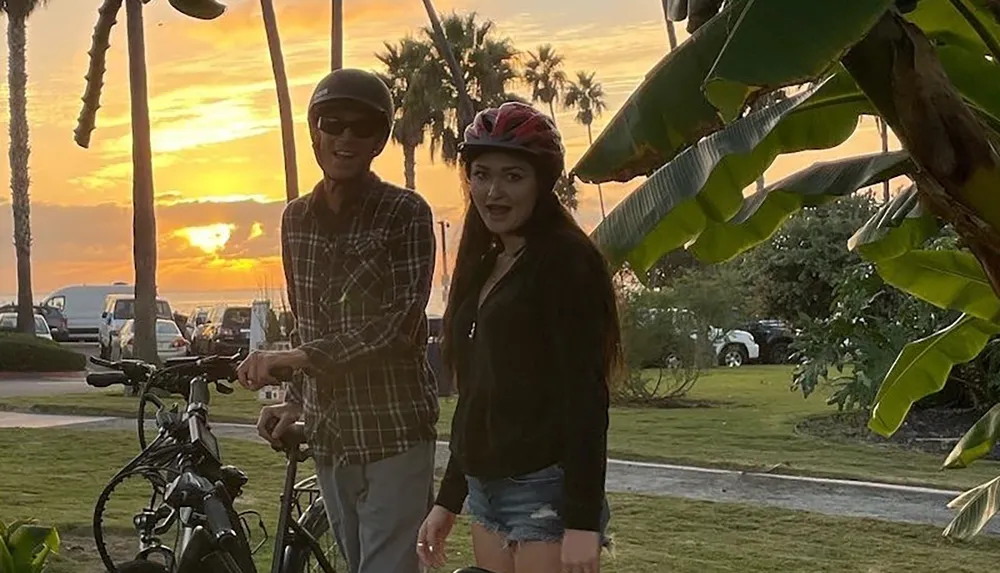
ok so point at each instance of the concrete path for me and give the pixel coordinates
(850, 498)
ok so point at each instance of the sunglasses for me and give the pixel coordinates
(364, 128)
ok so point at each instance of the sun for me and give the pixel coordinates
(208, 238)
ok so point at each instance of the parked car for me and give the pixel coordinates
(170, 343)
(53, 317)
(8, 323)
(119, 308)
(81, 306)
(733, 348)
(226, 330)
(774, 338)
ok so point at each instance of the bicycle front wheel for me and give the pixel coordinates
(300, 556)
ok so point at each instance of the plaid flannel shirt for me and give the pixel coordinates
(358, 284)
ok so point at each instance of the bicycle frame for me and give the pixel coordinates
(178, 460)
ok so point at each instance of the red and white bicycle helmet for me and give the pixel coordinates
(515, 126)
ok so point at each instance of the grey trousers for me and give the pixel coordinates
(376, 509)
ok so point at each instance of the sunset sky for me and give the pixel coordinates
(216, 143)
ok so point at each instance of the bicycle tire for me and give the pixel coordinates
(298, 552)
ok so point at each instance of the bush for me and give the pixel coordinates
(24, 353)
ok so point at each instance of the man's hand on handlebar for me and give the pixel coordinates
(261, 366)
(276, 419)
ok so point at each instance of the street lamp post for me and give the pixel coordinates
(445, 279)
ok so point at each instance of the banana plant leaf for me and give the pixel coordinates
(706, 181)
(764, 211)
(972, 23)
(976, 508)
(30, 545)
(977, 442)
(758, 55)
(898, 227)
(922, 368)
(669, 112)
(947, 279)
(665, 114)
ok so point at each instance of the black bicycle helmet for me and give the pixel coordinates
(352, 85)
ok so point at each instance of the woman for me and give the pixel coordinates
(531, 333)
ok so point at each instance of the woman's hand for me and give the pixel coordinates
(581, 551)
(433, 536)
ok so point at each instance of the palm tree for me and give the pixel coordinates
(543, 73)
(403, 67)
(487, 65)
(336, 34)
(671, 33)
(17, 12)
(284, 99)
(143, 206)
(447, 54)
(586, 96)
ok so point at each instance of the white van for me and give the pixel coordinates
(118, 309)
(82, 306)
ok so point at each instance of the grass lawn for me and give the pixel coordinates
(752, 427)
(55, 476)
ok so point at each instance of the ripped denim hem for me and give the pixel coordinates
(511, 539)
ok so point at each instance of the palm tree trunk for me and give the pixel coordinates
(671, 33)
(466, 113)
(410, 166)
(284, 99)
(883, 131)
(143, 208)
(337, 34)
(552, 110)
(600, 192)
(17, 82)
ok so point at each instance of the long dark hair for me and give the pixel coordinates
(548, 218)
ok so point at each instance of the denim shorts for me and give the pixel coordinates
(524, 508)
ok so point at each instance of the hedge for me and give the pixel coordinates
(24, 353)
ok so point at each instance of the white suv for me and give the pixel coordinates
(119, 308)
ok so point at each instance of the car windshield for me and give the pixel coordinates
(125, 309)
(41, 327)
(238, 317)
(167, 328)
(8, 321)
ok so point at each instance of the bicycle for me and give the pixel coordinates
(184, 467)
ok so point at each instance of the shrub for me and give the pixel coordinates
(25, 546)
(24, 353)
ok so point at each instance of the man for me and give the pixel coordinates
(358, 255)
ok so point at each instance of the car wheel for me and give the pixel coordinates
(733, 356)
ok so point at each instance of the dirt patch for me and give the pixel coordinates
(934, 431)
(78, 552)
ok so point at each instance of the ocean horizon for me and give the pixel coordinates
(184, 301)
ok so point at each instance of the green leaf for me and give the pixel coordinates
(977, 442)
(669, 112)
(964, 67)
(899, 226)
(665, 114)
(976, 507)
(28, 541)
(764, 212)
(922, 368)
(757, 54)
(706, 180)
(946, 279)
(6, 560)
(971, 23)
